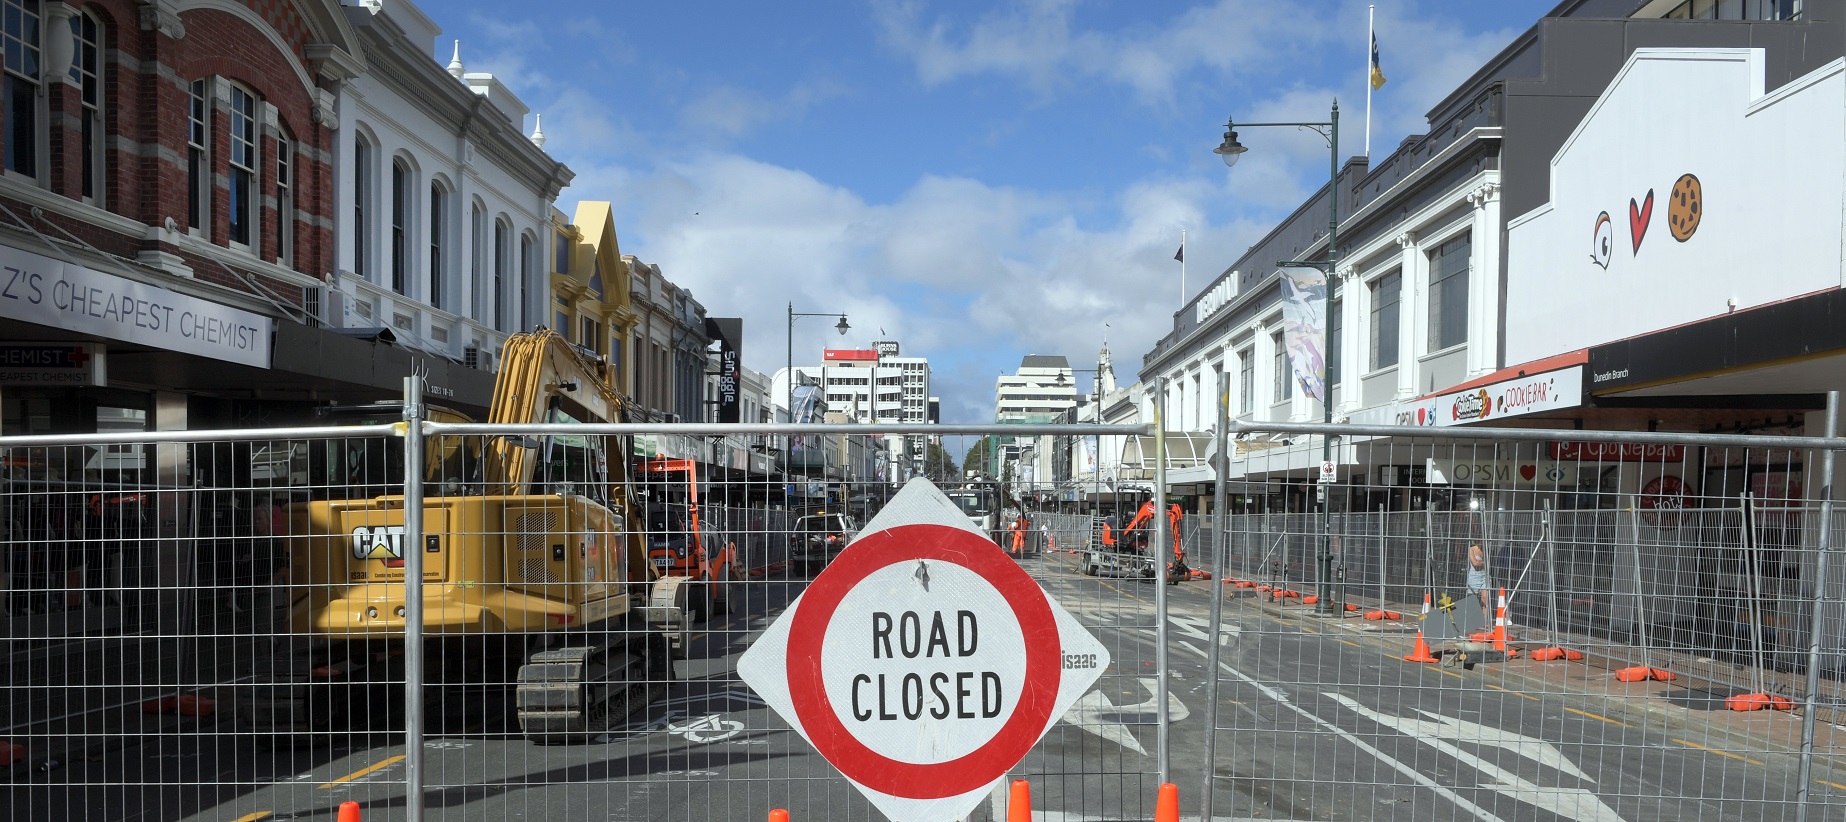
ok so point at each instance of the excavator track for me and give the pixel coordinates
(570, 695)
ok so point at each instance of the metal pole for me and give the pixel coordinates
(1640, 604)
(1161, 551)
(413, 598)
(1803, 794)
(789, 388)
(1753, 589)
(1382, 568)
(1551, 576)
(1324, 606)
(1219, 566)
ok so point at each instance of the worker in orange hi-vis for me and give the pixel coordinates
(1108, 538)
(1019, 534)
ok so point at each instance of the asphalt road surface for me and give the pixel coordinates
(1318, 719)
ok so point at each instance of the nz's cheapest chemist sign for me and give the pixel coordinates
(51, 292)
(923, 663)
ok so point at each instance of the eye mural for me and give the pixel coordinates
(1603, 241)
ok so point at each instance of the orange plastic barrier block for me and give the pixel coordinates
(186, 705)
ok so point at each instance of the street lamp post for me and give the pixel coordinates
(1230, 150)
(842, 327)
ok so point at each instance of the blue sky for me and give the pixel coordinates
(981, 181)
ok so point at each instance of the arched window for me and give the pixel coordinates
(362, 183)
(438, 211)
(244, 198)
(502, 247)
(87, 70)
(526, 265)
(477, 259)
(400, 222)
(20, 42)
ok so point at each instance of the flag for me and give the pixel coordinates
(1378, 78)
(1180, 255)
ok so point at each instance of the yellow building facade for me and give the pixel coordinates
(590, 300)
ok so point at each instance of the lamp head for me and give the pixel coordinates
(842, 327)
(1230, 149)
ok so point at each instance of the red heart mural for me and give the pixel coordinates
(1639, 214)
(1527, 472)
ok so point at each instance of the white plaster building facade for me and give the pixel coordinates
(442, 200)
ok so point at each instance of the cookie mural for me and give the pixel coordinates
(1685, 205)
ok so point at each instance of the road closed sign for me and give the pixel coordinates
(923, 663)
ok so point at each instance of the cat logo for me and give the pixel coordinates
(384, 542)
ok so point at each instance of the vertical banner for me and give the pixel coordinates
(1304, 327)
(1089, 457)
(729, 334)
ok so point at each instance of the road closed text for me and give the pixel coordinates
(936, 639)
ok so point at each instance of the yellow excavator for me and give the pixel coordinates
(535, 570)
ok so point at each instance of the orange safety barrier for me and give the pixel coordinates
(349, 812)
(1759, 702)
(1421, 652)
(1555, 653)
(1310, 599)
(778, 815)
(1382, 614)
(185, 705)
(1166, 807)
(1643, 673)
(1019, 802)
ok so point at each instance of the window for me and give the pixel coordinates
(561, 250)
(526, 264)
(87, 70)
(362, 181)
(21, 89)
(1736, 10)
(438, 208)
(198, 170)
(1385, 291)
(1336, 331)
(242, 182)
(1285, 377)
(285, 199)
(498, 320)
(591, 339)
(477, 232)
(400, 219)
(1448, 294)
(1246, 381)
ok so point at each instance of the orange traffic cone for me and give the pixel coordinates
(1499, 628)
(349, 812)
(1421, 652)
(778, 815)
(1019, 802)
(1166, 807)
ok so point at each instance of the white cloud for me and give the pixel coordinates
(730, 111)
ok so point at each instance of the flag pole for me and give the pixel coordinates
(1371, 37)
(1182, 268)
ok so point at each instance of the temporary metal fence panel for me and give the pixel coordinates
(240, 647)
(1693, 567)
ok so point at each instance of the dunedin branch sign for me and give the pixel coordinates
(923, 663)
(50, 292)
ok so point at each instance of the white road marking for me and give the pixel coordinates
(1571, 803)
(1194, 627)
(1419, 777)
(1088, 714)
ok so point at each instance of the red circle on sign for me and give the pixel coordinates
(976, 769)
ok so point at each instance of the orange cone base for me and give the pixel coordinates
(1481, 636)
(1166, 808)
(1421, 652)
(1244, 583)
(1759, 702)
(1643, 673)
(1292, 594)
(1351, 608)
(1553, 654)
(1310, 599)
(1377, 616)
(778, 815)
(349, 812)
